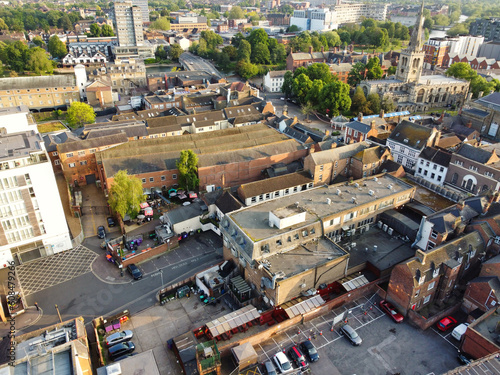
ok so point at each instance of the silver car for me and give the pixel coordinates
(347, 331)
(119, 337)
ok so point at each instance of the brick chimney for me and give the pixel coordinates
(360, 116)
(469, 124)
(310, 49)
(381, 115)
(322, 49)
(373, 124)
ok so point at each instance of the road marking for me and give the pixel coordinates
(444, 338)
(374, 350)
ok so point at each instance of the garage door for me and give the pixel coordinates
(90, 179)
(30, 255)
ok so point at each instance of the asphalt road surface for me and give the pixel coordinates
(193, 62)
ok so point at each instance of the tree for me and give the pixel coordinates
(301, 86)
(230, 51)
(175, 51)
(95, 30)
(56, 47)
(246, 69)
(312, 97)
(287, 87)
(3, 25)
(458, 29)
(294, 29)
(332, 38)
(126, 194)
(258, 36)
(15, 56)
(319, 71)
(358, 101)
(306, 109)
(388, 105)
(357, 74)
(373, 102)
(278, 53)
(235, 40)
(260, 54)
(65, 23)
(80, 113)
(38, 61)
(187, 165)
(374, 71)
(461, 70)
(244, 51)
(162, 23)
(107, 30)
(236, 13)
(38, 41)
(335, 98)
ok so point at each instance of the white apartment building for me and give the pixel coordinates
(32, 218)
(432, 165)
(313, 19)
(353, 13)
(128, 19)
(273, 80)
(143, 4)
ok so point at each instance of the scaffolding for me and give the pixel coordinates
(208, 358)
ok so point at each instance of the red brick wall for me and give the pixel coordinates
(148, 254)
(423, 323)
(476, 345)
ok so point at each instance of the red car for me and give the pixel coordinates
(391, 311)
(447, 323)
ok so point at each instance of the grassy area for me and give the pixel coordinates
(51, 126)
(48, 116)
(439, 111)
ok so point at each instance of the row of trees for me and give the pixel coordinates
(371, 104)
(316, 88)
(26, 18)
(19, 58)
(373, 33)
(477, 83)
(171, 53)
(97, 31)
(360, 71)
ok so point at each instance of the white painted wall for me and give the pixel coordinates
(425, 233)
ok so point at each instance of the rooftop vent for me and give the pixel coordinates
(370, 192)
(353, 200)
(328, 201)
(338, 192)
(356, 185)
(375, 179)
(390, 186)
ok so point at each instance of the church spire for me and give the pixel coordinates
(416, 35)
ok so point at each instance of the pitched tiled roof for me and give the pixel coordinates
(370, 155)
(269, 185)
(474, 153)
(277, 73)
(358, 126)
(476, 112)
(338, 153)
(93, 143)
(436, 156)
(228, 203)
(295, 134)
(411, 134)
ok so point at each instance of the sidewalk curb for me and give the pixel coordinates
(40, 314)
(104, 280)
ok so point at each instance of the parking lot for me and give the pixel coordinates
(387, 348)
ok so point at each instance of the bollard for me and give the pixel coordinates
(321, 333)
(331, 329)
(309, 338)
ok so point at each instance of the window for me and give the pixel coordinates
(320, 177)
(434, 234)
(174, 177)
(441, 169)
(151, 179)
(84, 162)
(279, 243)
(54, 153)
(70, 155)
(419, 170)
(434, 167)
(425, 173)
(439, 178)
(57, 162)
(81, 153)
(143, 180)
(417, 293)
(321, 168)
(72, 165)
(163, 178)
(427, 299)
(431, 285)
(433, 175)
(92, 151)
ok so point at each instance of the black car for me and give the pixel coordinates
(298, 358)
(309, 350)
(121, 349)
(464, 358)
(101, 232)
(134, 271)
(111, 222)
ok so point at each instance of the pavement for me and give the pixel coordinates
(193, 62)
(21, 322)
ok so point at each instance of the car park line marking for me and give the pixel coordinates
(444, 338)
(265, 353)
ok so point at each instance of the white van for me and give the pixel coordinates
(459, 331)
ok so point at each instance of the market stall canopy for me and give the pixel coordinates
(232, 320)
(148, 211)
(144, 205)
(302, 306)
(192, 195)
(245, 355)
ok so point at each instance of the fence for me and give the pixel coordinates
(452, 195)
(78, 239)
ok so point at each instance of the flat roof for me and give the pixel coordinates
(17, 145)
(142, 363)
(438, 78)
(487, 328)
(306, 256)
(253, 220)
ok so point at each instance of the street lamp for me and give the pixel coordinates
(58, 313)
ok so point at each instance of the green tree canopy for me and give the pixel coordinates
(95, 30)
(175, 51)
(258, 36)
(357, 74)
(65, 23)
(126, 194)
(319, 71)
(461, 70)
(244, 51)
(293, 29)
(287, 87)
(80, 113)
(161, 23)
(358, 101)
(388, 105)
(301, 86)
(38, 41)
(107, 30)
(187, 165)
(56, 47)
(236, 13)
(374, 71)
(260, 54)
(335, 98)
(246, 69)
(373, 102)
(38, 61)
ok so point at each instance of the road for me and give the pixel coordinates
(88, 296)
(193, 62)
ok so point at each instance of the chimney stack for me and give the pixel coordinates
(322, 49)
(381, 115)
(310, 49)
(469, 124)
(373, 124)
(360, 116)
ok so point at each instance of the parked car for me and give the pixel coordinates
(121, 349)
(389, 309)
(349, 332)
(119, 337)
(310, 351)
(459, 331)
(447, 323)
(298, 358)
(125, 356)
(270, 369)
(101, 232)
(282, 363)
(111, 222)
(134, 271)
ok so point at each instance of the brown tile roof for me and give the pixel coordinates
(370, 155)
(268, 185)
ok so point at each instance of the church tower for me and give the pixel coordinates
(411, 59)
